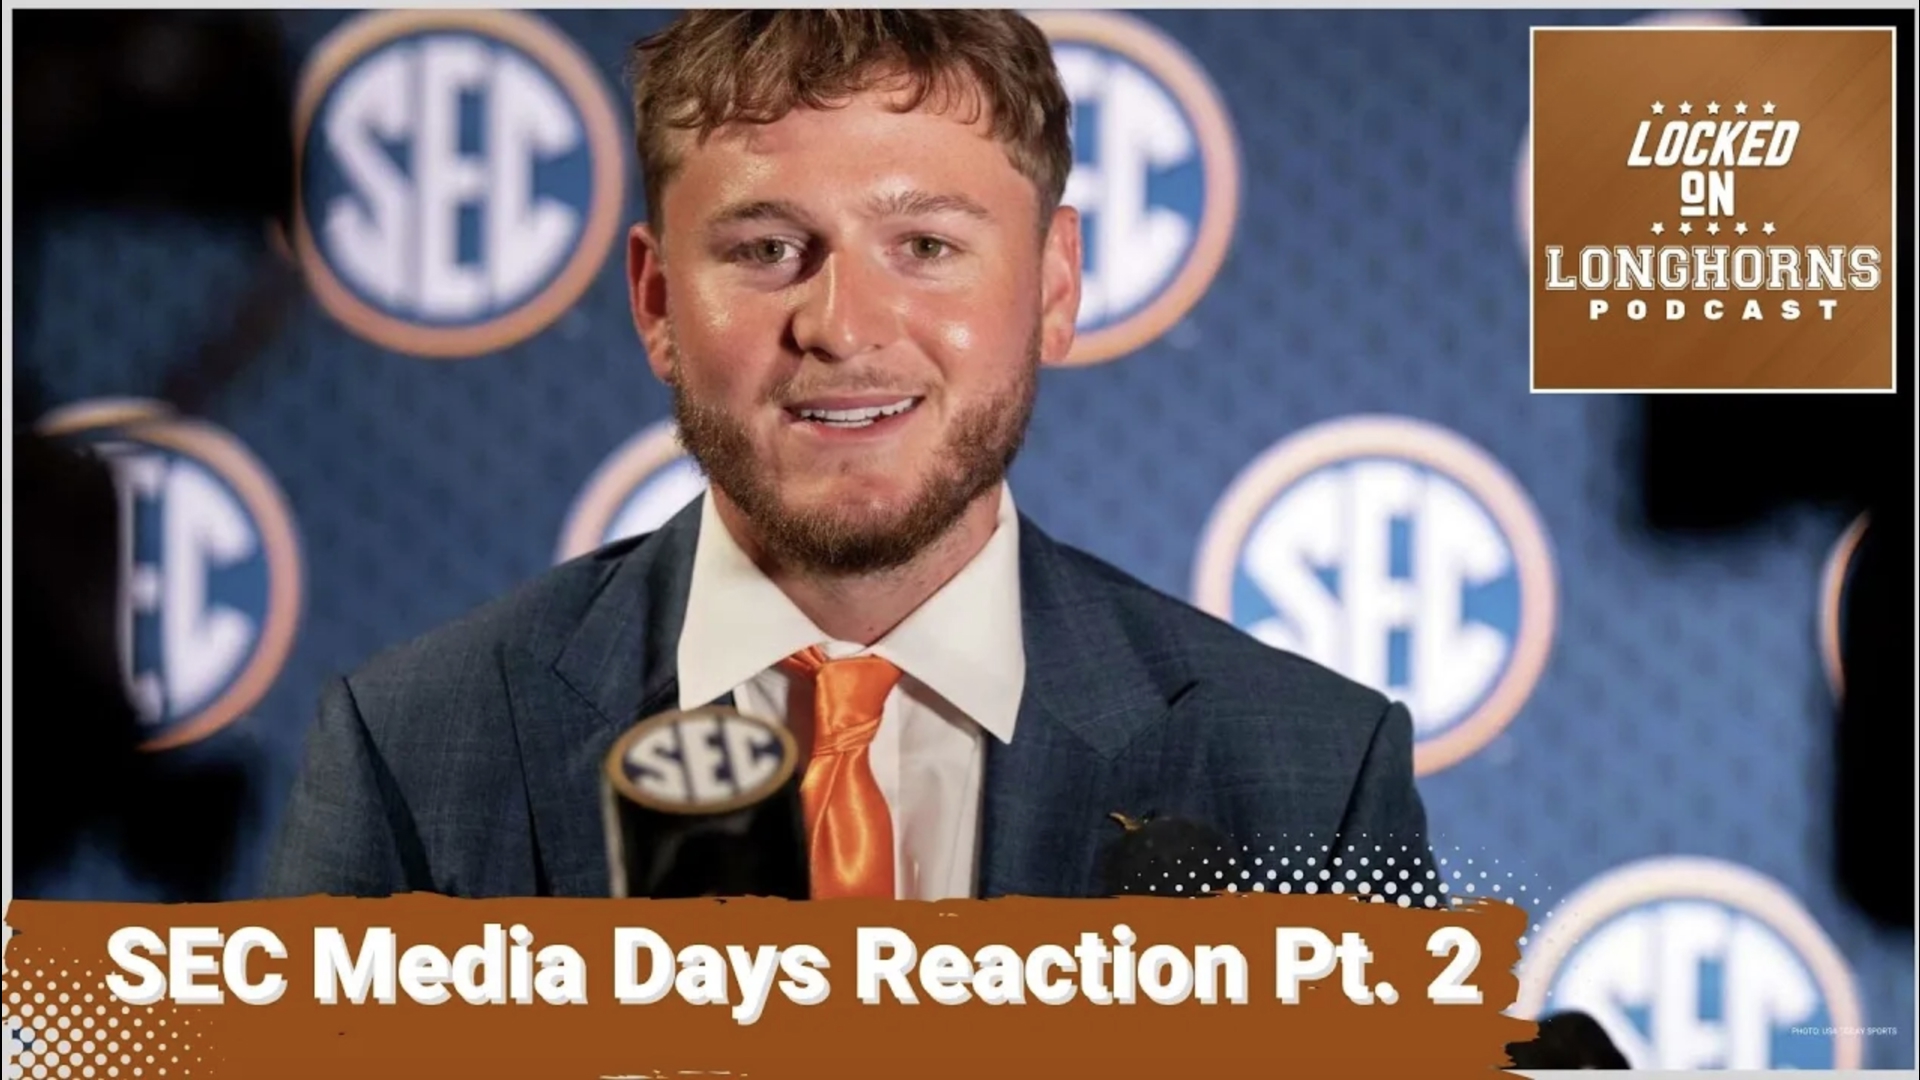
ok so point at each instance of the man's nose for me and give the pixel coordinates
(845, 309)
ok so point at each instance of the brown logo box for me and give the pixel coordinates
(1713, 209)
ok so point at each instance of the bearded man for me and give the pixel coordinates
(855, 264)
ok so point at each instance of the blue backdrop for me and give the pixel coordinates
(1303, 405)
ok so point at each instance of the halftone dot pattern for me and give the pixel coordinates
(61, 1022)
(1379, 873)
(1683, 709)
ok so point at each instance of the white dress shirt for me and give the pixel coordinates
(963, 663)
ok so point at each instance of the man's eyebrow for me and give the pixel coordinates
(759, 210)
(924, 203)
(895, 204)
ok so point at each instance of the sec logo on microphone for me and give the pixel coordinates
(1400, 555)
(702, 761)
(1697, 964)
(647, 480)
(461, 178)
(210, 570)
(1156, 177)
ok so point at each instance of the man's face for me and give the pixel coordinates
(850, 305)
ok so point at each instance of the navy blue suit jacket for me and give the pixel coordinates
(468, 762)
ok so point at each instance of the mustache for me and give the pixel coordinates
(794, 390)
(804, 386)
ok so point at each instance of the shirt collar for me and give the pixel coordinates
(964, 643)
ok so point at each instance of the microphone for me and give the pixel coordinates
(704, 802)
(1568, 1040)
(1164, 857)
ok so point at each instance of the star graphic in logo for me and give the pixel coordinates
(1740, 108)
(1713, 228)
(1713, 108)
(1658, 108)
(1767, 107)
(1767, 228)
(1741, 228)
(1658, 228)
(1686, 228)
(1686, 107)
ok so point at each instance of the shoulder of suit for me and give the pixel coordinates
(1217, 654)
(538, 615)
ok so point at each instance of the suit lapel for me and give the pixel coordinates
(617, 667)
(1088, 694)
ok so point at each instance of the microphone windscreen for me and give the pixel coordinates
(1164, 857)
(1568, 1040)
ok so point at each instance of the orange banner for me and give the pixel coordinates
(1228, 985)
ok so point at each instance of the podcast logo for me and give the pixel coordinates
(209, 566)
(1400, 555)
(1712, 209)
(703, 761)
(1697, 964)
(461, 178)
(1835, 580)
(1156, 177)
(635, 491)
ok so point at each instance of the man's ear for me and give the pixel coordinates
(1059, 285)
(647, 294)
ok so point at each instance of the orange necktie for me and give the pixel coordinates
(849, 829)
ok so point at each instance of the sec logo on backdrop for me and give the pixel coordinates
(461, 177)
(1836, 579)
(1697, 964)
(209, 565)
(1156, 177)
(1400, 555)
(641, 484)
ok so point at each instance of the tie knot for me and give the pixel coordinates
(848, 696)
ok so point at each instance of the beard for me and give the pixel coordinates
(842, 541)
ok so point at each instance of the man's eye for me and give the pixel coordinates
(767, 252)
(928, 247)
